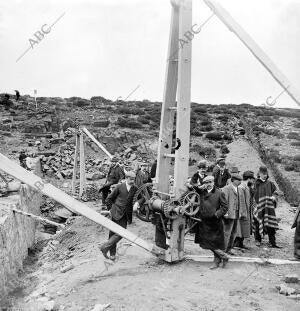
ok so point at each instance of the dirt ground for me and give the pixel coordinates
(139, 281)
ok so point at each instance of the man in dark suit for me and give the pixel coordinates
(120, 204)
(114, 175)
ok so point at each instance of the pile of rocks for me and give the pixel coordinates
(61, 165)
(286, 290)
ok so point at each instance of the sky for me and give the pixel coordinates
(111, 47)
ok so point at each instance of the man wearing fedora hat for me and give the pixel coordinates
(209, 233)
(221, 173)
(120, 204)
(114, 175)
(231, 192)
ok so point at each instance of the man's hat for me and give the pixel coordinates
(263, 169)
(130, 174)
(208, 179)
(248, 174)
(202, 164)
(234, 170)
(220, 160)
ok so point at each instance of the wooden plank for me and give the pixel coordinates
(273, 261)
(39, 218)
(169, 100)
(183, 100)
(82, 185)
(254, 48)
(75, 167)
(72, 204)
(87, 132)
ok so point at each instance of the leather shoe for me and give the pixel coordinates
(224, 262)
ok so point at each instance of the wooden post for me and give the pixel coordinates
(82, 166)
(169, 100)
(183, 100)
(75, 167)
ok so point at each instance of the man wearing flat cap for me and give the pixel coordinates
(209, 233)
(114, 175)
(264, 214)
(197, 178)
(231, 192)
(221, 173)
(120, 204)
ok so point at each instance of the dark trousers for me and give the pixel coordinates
(270, 231)
(113, 238)
(219, 255)
(230, 230)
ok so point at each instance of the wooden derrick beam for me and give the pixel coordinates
(72, 204)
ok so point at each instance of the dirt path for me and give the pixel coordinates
(139, 281)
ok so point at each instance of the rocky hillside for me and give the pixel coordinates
(131, 129)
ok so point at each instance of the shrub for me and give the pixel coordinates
(144, 119)
(289, 167)
(200, 110)
(266, 118)
(297, 124)
(130, 123)
(295, 143)
(274, 155)
(205, 123)
(205, 151)
(227, 137)
(293, 135)
(223, 118)
(214, 136)
(206, 128)
(297, 157)
(224, 149)
(130, 110)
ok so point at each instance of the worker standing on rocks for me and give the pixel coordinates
(296, 225)
(22, 159)
(264, 209)
(115, 174)
(210, 232)
(120, 204)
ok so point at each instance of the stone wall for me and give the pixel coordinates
(17, 234)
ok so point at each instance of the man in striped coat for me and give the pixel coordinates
(264, 215)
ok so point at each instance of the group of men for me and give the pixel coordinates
(233, 207)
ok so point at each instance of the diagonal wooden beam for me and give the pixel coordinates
(88, 133)
(254, 48)
(72, 204)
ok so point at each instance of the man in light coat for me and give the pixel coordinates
(245, 215)
(231, 217)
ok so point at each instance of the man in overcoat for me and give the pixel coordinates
(120, 204)
(231, 217)
(245, 210)
(210, 232)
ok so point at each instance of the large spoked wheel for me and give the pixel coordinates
(143, 195)
(190, 203)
